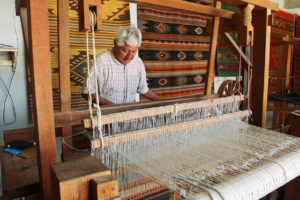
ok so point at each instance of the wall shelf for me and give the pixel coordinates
(13, 57)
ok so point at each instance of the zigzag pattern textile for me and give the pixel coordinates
(114, 14)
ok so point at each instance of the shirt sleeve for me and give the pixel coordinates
(142, 87)
(90, 80)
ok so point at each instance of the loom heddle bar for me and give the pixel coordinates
(140, 113)
(136, 135)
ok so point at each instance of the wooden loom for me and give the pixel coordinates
(46, 120)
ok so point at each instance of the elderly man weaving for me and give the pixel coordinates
(120, 72)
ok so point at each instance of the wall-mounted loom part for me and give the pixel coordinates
(246, 30)
(90, 14)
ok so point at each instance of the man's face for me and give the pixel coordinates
(125, 54)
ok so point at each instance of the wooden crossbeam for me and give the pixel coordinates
(135, 114)
(259, 4)
(137, 135)
(186, 6)
(76, 116)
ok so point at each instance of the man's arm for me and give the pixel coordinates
(102, 100)
(150, 95)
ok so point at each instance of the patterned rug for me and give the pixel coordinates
(114, 14)
(282, 25)
(296, 72)
(227, 64)
(174, 50)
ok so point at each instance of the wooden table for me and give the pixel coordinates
(19, 177)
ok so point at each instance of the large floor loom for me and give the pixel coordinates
(199, 149)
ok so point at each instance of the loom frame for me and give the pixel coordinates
(39, 61)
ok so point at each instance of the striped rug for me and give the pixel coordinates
(174, 50)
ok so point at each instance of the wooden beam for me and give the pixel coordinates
(42, 90)
(174, 108)
(64, 70)
(210, 74)
(76, 117)
(286, 41)
(173, 128)
(260, 4)
(245, 29)
(260, 76)
(186, 6)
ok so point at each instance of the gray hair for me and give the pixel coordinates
(130, 35)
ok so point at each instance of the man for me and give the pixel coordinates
(120, 72)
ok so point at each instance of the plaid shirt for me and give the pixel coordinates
(118, 83)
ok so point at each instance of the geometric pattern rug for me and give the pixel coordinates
(227, 63)
(174, 50)
(115, 13)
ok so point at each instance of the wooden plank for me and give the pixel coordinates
(186, 6)
(174, 108)
(286, 40)
(64, 70)
(260, 77)
(76, 117)
(41, 77)
(24, 134)
(210, 74)
(260, 4)
(287, 65)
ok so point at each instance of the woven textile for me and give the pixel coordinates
(174, 50)
(114, 14)
(282, 25)
(296, 72)
(227, 64)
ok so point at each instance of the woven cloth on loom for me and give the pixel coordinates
(227, 64)
(296, 72)
(282, 25)
(114, 14)
(174, 50)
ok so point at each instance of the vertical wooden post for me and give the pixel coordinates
(64, 70)
(289, 50)
(42, 87)
(210, 74)
(246, 27)
(260, 77)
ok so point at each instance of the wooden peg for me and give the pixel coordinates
(245, 30)
(85, 6)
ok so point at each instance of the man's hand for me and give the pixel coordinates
(150, 95)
